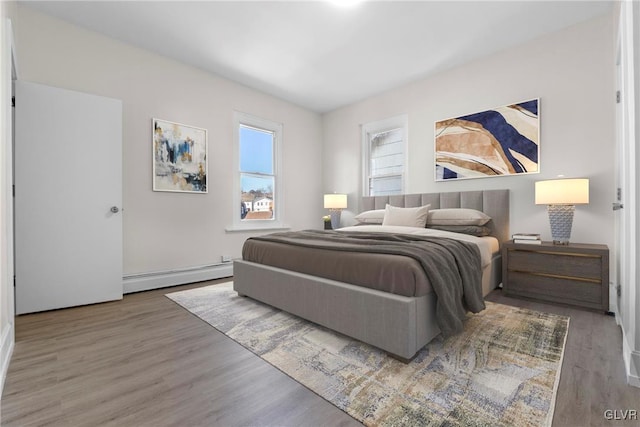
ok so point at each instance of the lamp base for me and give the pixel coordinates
(335, 218)
(561, 221)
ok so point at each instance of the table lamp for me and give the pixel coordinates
(561, 196)
(335, 203)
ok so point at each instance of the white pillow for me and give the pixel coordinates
(408, 217)
(457, 216)
(371, 217)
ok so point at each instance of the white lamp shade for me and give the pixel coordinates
(562, 192)
(335, 201)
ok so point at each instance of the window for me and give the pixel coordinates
(257, 201)
(384, 151)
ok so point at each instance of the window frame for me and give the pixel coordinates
(385, 125)
(275, 223)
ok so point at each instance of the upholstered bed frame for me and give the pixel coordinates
(397, 324)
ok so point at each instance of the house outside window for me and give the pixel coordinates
(257, 200)
(385, 156)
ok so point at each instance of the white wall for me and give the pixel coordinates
(166, 231)
(634, 368)
(634, 364)
(570, 71)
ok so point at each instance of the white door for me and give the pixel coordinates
(68, 194)
(621, 237)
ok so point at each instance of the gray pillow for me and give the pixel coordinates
(371, 217)
(457, 216)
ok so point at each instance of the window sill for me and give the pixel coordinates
(256, 227)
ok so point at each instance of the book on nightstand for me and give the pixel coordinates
(527, 238)
(528, 241)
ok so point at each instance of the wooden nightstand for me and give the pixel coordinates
(575, 274)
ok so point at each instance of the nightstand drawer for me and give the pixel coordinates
(557, 264)
(568, 291)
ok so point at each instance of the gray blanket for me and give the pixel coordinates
(452, 266)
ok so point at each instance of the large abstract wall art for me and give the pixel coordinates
(179, 157)
(498, 142)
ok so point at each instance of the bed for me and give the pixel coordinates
(398, 324)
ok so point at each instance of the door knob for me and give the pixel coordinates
(114, 209)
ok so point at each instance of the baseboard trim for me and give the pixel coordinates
(6, 350)
(631, 362)
(162, 279)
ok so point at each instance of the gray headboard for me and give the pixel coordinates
(494, 203)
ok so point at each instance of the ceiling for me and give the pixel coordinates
(318, 55)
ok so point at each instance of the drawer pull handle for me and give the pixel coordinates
(558, 276)
(558, 253)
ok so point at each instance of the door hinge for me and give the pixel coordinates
(619, 290)
(14, 281)
(617, 97)
(13, 101)
(13, 190)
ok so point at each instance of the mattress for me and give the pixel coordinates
(396, 274)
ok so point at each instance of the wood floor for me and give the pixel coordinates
(145, 361)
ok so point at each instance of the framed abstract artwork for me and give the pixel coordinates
(503, 141)
(179, 157)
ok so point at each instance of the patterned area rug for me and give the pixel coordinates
(503, 370)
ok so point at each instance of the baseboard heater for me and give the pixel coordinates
(162, 279)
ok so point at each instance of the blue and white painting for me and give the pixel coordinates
(498, 142)
(179, 157)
